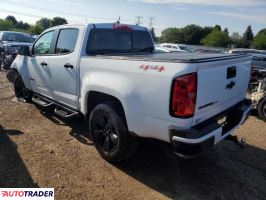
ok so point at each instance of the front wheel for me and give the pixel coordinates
(110, 134)
(21, 92)
(262, 109)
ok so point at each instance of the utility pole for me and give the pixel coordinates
(151, 22)
(139, 20)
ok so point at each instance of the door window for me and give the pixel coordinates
(66, 42)
(43, 44)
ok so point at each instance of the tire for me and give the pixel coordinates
(21, 92)
(262, 109)
(110, 134)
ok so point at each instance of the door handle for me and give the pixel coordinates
(68, 66)
(43, 64)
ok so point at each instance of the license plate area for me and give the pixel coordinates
(231, 120)
(226, 120)
(222, 121)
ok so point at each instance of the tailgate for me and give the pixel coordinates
(221, 84)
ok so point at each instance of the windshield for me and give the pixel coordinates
(18, 37)
(185, 48)
(103, 41)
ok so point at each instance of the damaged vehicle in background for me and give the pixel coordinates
(10, 42)
(257, 86)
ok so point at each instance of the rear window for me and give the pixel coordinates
(102, 41)
(18, 37)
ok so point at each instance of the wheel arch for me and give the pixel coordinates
(94, 98)
(20, 66)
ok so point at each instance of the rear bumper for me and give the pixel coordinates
(189, 143)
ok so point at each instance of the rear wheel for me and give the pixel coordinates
(21, 92)
(262, 109)
(110, 134)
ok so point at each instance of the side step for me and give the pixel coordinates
(41, 102)
(64, 112)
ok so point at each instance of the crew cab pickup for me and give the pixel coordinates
(109, 74)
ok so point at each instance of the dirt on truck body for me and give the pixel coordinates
(37, 149)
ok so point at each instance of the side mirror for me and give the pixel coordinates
(31, 50)
(24, 51)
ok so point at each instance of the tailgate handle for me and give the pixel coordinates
(230, 85)
(231, 72)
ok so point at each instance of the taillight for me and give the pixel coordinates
(183, 97)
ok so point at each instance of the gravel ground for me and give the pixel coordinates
(39, 150)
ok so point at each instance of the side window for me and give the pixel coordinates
(256, 58)
(66, 41)
(43, 44)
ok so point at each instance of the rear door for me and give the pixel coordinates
(221, 84)
(63, 66)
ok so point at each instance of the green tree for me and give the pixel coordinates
(153, 35)
(216, 39)
(5, 25)
(192, 34)
(259, 40)
(169, 35)
(12, 20)
(58, 21)
(36, 29)
(226, 31)
(248, 37)
(206, 30)
(45, 23)
(236, 39)
(217, 27)
(22, 25)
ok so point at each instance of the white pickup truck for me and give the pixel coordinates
(110, 74)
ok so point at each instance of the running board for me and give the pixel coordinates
(64, 112)
(41, 102)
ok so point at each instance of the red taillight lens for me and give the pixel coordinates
(183, 98)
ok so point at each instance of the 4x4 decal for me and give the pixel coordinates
(152, 67)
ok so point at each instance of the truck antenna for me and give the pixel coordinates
(118, 21)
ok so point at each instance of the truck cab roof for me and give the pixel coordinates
(102, 25)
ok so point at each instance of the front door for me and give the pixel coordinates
(38, 67)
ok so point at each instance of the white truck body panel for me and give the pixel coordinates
(143, 93)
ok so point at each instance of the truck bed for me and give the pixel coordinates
(174, 57)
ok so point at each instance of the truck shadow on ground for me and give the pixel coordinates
(13, 172)
(79, 129)
(224, 172)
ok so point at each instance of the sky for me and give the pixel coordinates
(236, 15)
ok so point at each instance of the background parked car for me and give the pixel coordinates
(209, 51)
(11, 41)
(176, 47)
(161, 50)
(242, 51)
(35, 37)
(259, 60)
